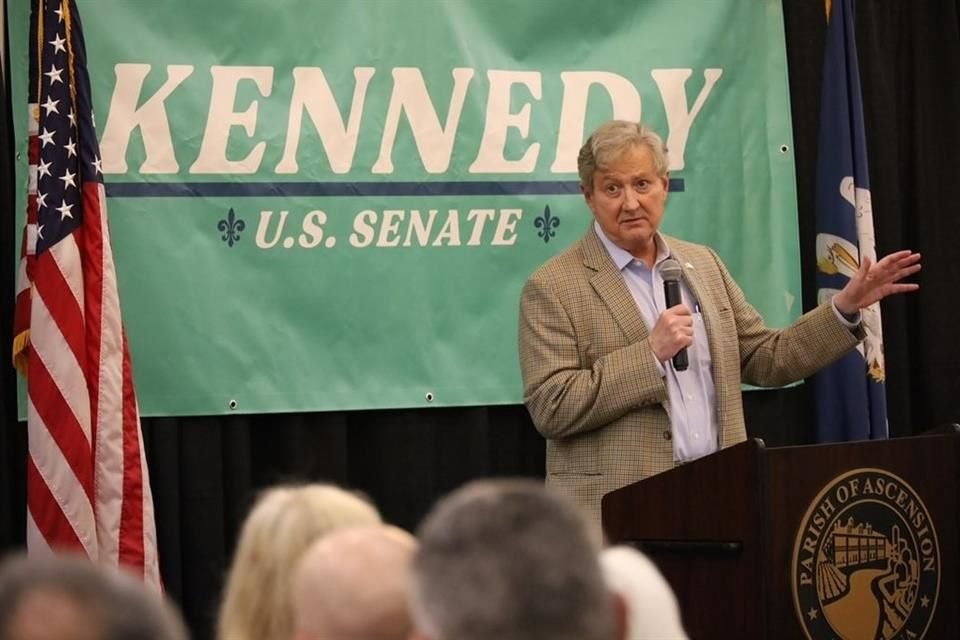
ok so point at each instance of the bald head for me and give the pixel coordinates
(352, 585)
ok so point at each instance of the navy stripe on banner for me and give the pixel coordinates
(344, 189)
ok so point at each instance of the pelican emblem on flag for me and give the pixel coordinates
(838, 256)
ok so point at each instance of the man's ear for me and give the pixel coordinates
(587, 193)
(621, 615)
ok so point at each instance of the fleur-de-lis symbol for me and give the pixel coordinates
(547, 223)
(231, 228)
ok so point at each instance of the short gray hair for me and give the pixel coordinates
(507, 560)
(610, 140)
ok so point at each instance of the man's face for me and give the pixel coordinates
(45, 613)
(627, 199)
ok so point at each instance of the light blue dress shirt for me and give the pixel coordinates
(691, 395)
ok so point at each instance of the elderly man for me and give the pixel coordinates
(352, 585)
(597, 336)
(508, 560)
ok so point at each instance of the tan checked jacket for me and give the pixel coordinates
(590, 379)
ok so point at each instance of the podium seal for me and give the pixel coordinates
(866, 561)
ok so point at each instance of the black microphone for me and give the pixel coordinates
(670, 271)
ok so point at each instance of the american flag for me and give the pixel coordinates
(88, 488)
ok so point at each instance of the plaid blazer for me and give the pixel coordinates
(590, 380)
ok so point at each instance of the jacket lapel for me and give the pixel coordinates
(608, 282)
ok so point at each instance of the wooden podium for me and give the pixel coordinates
(852, 540)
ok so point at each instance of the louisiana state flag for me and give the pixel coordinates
(851, 404)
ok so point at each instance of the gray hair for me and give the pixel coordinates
(507, 560)
(106, 603)
(652, 607)
(610, 140)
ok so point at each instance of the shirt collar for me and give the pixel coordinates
(621, 257)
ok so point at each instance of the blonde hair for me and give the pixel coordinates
(283, 523)
(611, 140)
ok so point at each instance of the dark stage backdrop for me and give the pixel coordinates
(206, 471)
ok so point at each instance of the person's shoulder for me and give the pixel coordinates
(563, 264)
(687, 247)
(699, 254)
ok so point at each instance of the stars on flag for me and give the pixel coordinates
(68, 179)
(46, 137)
(58, 43)
(54, 74)
(62, 168)
(51, 105)
(65, 163)
(64, 210)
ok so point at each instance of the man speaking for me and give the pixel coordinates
(626, 377)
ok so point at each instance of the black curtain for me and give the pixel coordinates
(206, 470)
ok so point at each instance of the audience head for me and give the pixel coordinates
(68, 598)
(282, 524)
(352, 585)
(507, 560)
(610, 141)
(652, 611)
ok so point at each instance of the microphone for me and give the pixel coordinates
(670, 271)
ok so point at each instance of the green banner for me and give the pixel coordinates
(333, 205)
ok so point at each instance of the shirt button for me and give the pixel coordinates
(689, 396)
(667, 435)
(696, 436)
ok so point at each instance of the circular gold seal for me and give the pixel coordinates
(866, 561)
